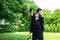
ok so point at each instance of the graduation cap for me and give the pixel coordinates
(38, 10)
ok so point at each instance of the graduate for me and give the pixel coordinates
(37, 26)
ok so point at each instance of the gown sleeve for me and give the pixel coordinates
(31, 25)
(42, 23)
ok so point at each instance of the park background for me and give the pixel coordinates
(15, 20)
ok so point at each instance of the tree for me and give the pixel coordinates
(16, 11)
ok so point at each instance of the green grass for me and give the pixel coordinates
(23, 36)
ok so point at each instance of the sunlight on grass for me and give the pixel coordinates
(52, 36)
(47, 35)
(24, 35)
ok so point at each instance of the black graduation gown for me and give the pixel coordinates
(37, 30)
(41, 21)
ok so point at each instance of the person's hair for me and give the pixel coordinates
(38, 10)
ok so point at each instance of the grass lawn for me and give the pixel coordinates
(23, 36)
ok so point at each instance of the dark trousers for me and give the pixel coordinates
(37, 35)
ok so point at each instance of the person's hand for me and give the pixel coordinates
(43, 10)
(31, 11)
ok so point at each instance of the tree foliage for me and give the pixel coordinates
(16, 12)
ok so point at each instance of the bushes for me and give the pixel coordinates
(25, 27)
(12, 28)
(52, 28)
(47, 28)
(8, 28)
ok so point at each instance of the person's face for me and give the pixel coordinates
(37, 15)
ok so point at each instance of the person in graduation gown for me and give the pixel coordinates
(37, 27)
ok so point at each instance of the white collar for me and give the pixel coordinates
(36, 18)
